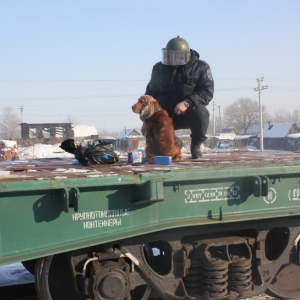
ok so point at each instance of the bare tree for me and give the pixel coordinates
(281, 116)
(296, 117)
(243, 114)
(9, 124)
(71, 119)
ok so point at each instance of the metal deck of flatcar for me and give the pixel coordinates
(56, 168)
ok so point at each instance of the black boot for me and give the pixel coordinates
(195, 151)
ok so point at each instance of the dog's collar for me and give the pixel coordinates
(143, 118)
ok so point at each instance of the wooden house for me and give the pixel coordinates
(275, 135)
(129, 139)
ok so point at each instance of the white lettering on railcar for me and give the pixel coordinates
(101, 218)
(99, 214)
(212, 194)
(102, 223)
(271, 197)
(294, 195)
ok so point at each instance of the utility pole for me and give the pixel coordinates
(214, 119)
(220, 119)
(21, 113)
(259, 89)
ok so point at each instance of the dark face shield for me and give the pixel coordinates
(174, 57)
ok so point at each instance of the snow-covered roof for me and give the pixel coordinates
(84, 130)
(225, 136)
(128, 133)
(242, 137)
(8, 143)
(106, 137)
(276, 130)
(294, 135)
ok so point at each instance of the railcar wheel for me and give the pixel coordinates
(53, 279)
(286, 283)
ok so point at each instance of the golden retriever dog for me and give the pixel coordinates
(157, 128)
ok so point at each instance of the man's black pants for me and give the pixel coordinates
(196, 119)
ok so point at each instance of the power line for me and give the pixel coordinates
(71, 80)
(233, 89)
(71, 97)
(96, 96)
(129, 95)
(81, 115)
(127, 80)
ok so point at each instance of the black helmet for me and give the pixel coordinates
(176, 53)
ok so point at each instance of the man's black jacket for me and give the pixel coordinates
(193, 82)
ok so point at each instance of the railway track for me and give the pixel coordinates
(27, 292)
(18, 292)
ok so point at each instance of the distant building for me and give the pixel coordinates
(243, 141)
(40, 130)
(293, 142)
(8, 150)
(229, 131)
(275, 135)
(129, 139)
(63, 131)
(128, 134)
(218, 140)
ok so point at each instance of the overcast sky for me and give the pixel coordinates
(91, 60)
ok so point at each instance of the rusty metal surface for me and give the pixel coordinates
(67, 168)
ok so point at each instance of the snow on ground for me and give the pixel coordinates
(14, 274)
(42, 151)
(228, 148)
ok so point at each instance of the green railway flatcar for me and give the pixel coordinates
(226, 226)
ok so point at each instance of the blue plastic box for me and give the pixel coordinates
(162, 160)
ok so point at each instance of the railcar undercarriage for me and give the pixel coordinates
(235, 261)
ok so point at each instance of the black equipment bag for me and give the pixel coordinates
(95, 153)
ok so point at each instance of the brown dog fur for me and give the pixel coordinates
(158, 129)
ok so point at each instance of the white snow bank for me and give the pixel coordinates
(8, 144)
(14, 274)
(42, 151)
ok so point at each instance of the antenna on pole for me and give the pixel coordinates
(21, 113)
(220, 118)
(214, 119)
(259, 89)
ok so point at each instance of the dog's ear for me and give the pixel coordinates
(147, 109)
(154, 102)
(144, 99)
(156, 105)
